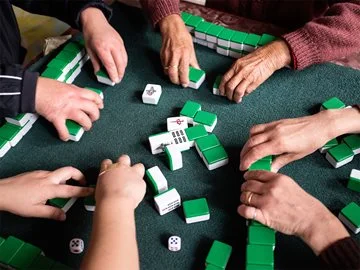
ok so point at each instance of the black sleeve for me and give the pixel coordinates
(17, 92)
(66, 10)
(342, 255)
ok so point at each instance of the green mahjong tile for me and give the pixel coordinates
(212, 267)
(353, 141)
(41, 263)
(354, 184)
(263, 164)
(9, 131)
(73, 127)
(169, 158)
(25, 256)
(58, 202)
(66, 56)
(185, 16)
(195, 74)
(258, 267)
(254, 223)
(160, 194)
(152, 182)
(266, 39)
(332, 143)
(215, 30)
(259, 254)
(9, 249)
(203, 27)
(90, 200)
(215, 154)
(205, 118)
(52, 73)
(261, 235)
(190, 109)
(239, 37)
(235, 50)
(352, 213)
(195, 208)
(333, 103)
(217, 82)
(99, 92)
(222, 47)
(252, 40)
(2, 240)
(194, 21)
(60, 266)
(219, 254)
(57, 64)
(195, 132)
(341, 152)
(19, 116)
(207, 142)
(102, 73)
(3, 142)
(226, 34)
(73, 47)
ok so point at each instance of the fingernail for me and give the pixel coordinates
(184, 85)
(118, 80)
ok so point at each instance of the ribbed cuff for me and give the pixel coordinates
(303, 50)
(342, 255)
(162, 9)
(27, 103)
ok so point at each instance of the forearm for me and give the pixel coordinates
(113, 240)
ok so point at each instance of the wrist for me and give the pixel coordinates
(281, 53)
(122, 203)
(91, 15)
(344, 121)
(321, 235)
(3, 197)
(170, 22)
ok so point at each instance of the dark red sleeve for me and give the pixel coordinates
(331, 36)
(342, 255)
(159, 9)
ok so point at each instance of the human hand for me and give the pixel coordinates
(103, 44)
(281, 204)
(57, 102)
(177, 51)
(26, 194)
(289, 139)
(248, 72)
(121, 181)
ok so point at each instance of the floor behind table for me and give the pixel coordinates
(125, 125)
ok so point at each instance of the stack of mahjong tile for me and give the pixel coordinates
(218, 256)
(65, 67)
(340, 152)
(14, 129)
(180, 137)
(16, 254)
(350, 216)
(225, 41)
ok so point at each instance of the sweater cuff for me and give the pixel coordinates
(343, 254)
(162, 9)
(27, 103)
(303, 50)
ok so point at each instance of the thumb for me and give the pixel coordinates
(50, 212)
(281, 161)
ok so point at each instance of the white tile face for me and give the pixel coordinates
(323, 150)
(348, 224)
(200, 35)
(159, 141)
(69, 204)
(167, 201)
(190, 29)
(197, 84)
(21, 122)
(201, 42)
(179, 122)
(90, 208)
(73, 76)
(223, 43)
(76, 246)
(152, 94)
(197, 219)
(25, 129)
(208, 128)
(248, 48)
(175, 157)
(335, 164)
(16, 139)
(216, 91)
(234, 54)
(216, 165)
(159, 179)
(222, 51)
(78, 136)
(236, 46)
(211, 45)
(174, 243)
(180, 139)
(211, 39)
(105, 81)
(34, 117)
(5, 149)
(355, 174)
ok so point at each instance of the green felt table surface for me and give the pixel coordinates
(124, 126)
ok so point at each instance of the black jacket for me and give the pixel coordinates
(18, 85)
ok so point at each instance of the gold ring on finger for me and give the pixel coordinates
(172, 66)
(249, 198)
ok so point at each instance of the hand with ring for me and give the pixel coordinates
(278, 202)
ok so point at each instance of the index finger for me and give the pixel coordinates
(60, 176)
(184, 69)
(108, 61)
(227, 77)
(257, 152)
(262, 176)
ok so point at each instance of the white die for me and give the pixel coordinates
(174, 243)
(151, 94)
(76, 246)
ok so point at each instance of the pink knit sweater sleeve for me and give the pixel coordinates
(159, 9)
(331, 36)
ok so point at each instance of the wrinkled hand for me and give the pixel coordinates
(248, 72)
(177, 51)
(104, 45)
(283, 205)
(289, 139)
(26, 194)
(121, 181)
(57, 102)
